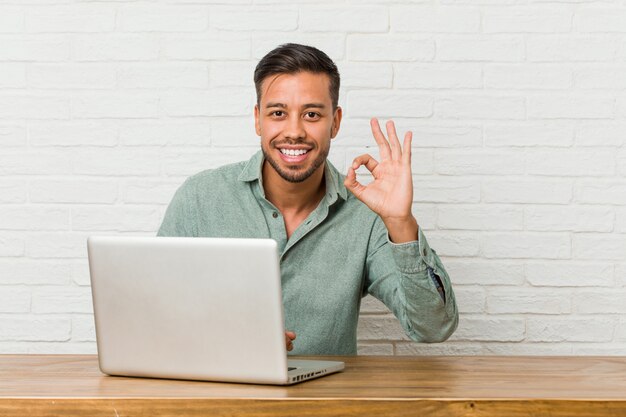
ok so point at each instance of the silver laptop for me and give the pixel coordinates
(193, 308)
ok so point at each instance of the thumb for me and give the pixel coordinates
(352, 184)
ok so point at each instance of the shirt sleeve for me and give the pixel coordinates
(179, 219)
(401, 276)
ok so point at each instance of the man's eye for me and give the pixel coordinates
(278, 113)
(312, 115)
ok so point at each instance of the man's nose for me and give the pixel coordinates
(294, 128)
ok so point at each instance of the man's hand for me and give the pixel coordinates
(390, 195)
(289, 336)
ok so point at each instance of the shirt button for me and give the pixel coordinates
(274, 214)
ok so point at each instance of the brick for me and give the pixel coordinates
(481, 48)
(34, 107)
(363, 103)
(349, 19)
(575, 219)
(205, 47)
(382, 328)
(71, 76)
(539, 191)
(620, 219)
(35, 163)
(435, 19)
(527, 20)
(527, 349)
(620, 331)
(116, 162)
(14, 299)
(252, 19)
(148, 191)
(33, 328)
(568, 107)
(214, 102)
(158, 18)
(160, 133)
(480, 217)
(569, 274)
(607, 301)
(83, 328)
(366, 74)
(527, 76)
(609, 133)
(489, 329)
(568, 47)
(601, 192)
(470, 162)
(73, 133)
(454, 243)
(600, 20)
(518, 135)
(480, 107)
(115, 105)
(599, 349)
(231, 73)
(72, 18)
(437, 349)
(115, 47)
(425, 214)
(11, 245)
(155, 76)
(446, 191)
(470, 300)
(485, 272)
(571, 163)
(390, 48)
(56, 245)
(34, 48)
(12, 135)
(621, 163)
(382, 349)
(370, 305)
(73, 191)
(333, 44)
(11, 19)
(19, 217)
(526, 245)
(118, 218)
(437, 75)
(34, 272)
(233, 131)
(62, 300)
(568, 329)
(594, 246)
(600, 77)
(12, 191)
(12, 75)
(186, 163)
(529, 300)
(80, 273)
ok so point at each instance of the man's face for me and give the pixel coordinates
(296, 122)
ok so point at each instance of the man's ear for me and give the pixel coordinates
(257, 123)
(334, 129)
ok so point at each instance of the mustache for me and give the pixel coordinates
(293, 142)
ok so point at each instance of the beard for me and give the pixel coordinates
(293, 173)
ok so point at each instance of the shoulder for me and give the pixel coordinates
(216, 178)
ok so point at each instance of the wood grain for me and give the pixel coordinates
(61, 385)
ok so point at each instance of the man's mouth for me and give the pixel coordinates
(292, 155)
(293, 152)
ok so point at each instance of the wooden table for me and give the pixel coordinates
(68, 385)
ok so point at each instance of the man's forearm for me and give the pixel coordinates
(402, 230)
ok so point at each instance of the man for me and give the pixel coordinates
(335, 246)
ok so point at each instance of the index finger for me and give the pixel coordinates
(383, 145)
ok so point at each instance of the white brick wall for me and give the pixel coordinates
(518, 110)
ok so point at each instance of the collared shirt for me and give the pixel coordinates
(337, 255)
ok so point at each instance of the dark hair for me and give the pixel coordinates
(291, 58)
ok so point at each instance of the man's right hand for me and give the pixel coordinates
(289, 336)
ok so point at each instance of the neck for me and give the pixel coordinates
(293, 197)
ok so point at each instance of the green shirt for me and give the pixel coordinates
(338, 254)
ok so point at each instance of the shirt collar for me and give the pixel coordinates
(334, 180)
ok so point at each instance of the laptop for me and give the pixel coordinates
(193, 308)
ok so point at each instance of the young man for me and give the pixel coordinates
(338, 239)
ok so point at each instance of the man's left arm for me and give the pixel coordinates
(402, 269)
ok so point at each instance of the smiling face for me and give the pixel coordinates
(296, 121)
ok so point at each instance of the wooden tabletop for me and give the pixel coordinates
(55, 385)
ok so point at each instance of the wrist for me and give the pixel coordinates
(402, 230)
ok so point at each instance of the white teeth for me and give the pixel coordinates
(293, 152)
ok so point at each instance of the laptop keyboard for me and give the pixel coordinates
(290, 368)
